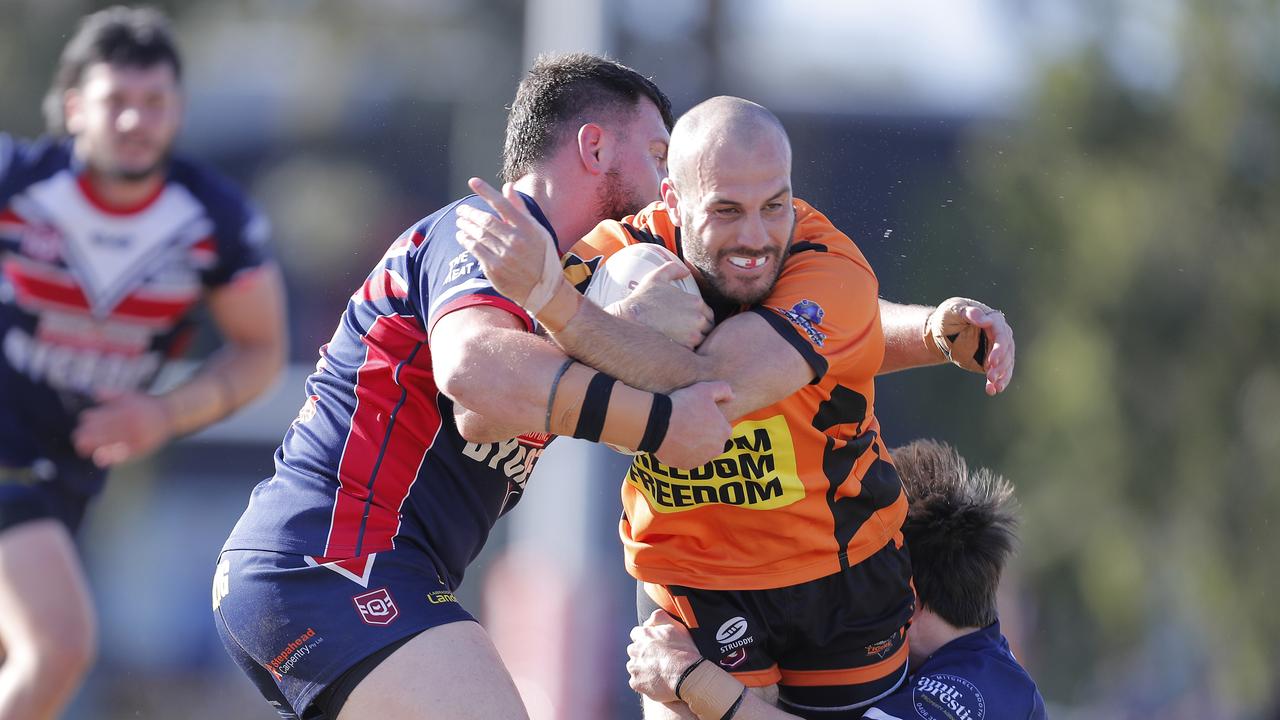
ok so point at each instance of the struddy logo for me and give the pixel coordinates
(947, 697)
(807, 315)
(732, 636)
(732, 629)
(376, 607)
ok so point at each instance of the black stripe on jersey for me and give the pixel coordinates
(805, 245)
(641, 235)
(880, 485)
(792, 334)
(382, 451)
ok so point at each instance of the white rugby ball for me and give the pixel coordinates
(618, 276)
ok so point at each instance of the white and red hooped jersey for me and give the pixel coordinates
(374, 457)
(94, 299)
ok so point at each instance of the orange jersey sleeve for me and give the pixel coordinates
(806, 486)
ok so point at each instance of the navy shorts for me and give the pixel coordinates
(306, 632)
(47, 489)
(832, 645)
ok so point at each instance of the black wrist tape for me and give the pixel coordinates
(685, 676)
(595, 406)
(737, 705)
(655, 430)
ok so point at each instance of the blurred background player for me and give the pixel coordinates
(107, 243)
(804, 503)
(959, 531)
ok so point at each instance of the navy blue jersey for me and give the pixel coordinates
(94, 299)
(974, 677)
(374, 458)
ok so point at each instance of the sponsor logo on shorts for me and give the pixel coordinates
(292, 654)
(437, 597)
(947, 697)
(807, 315)
(757, 471)
(885, 647)
(732, 636)
(221, 582)
(376, 607)
(732, 629)
(734, 659)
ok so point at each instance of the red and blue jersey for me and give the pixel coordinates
(374, 458)
(974, 677)
(95, 298)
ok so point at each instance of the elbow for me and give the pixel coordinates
(463, 381)
(474, 428)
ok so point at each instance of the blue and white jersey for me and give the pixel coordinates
(974, 677)
(95, 298)
(374, 458)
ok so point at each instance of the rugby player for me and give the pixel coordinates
(784, 555)
(106, 245)
(335, 591)
(960, 529)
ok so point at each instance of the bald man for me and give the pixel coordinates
(784, 555)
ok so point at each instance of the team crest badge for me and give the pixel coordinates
(807, 315)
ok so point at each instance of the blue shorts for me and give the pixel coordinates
(301, 628)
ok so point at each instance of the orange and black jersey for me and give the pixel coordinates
(805, 487)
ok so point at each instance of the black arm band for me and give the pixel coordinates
(595, 406)
(733, 709)
(655, 430)
(555, 385)
(685, 676)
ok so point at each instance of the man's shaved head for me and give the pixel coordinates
(717, 126)
(728, 187)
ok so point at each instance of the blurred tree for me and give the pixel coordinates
(1136, 247)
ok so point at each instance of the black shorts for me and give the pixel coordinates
(832, 645)
(45, 490)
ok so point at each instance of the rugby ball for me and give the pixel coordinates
(618, 276)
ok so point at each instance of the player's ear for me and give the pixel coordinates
(72, 115)
(671, 200)
(594, 149)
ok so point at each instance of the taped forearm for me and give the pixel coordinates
(904, 345)
(635, 354)
(586, 404)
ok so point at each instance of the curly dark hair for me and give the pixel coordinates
(960, 530)
(561, 93)
(119, 35)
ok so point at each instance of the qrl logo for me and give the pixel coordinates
(732, 629)
(376, 607)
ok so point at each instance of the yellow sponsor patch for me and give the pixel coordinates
(757, 471)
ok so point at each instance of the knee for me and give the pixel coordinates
(74, 651)
(67, 650)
